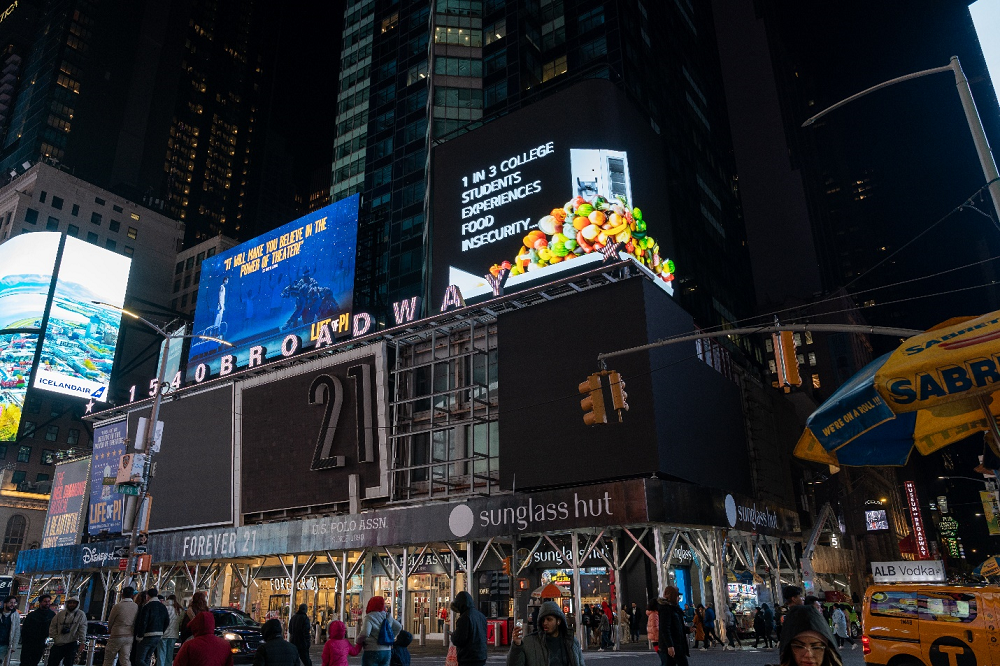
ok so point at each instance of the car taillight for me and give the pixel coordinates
(866, 645)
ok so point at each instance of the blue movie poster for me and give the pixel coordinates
(288, 281)
(107, 508)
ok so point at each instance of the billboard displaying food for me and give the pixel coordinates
(539, 197)
(66, 504)
(289, 281)
(78, 350)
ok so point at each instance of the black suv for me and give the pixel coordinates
(242, 632)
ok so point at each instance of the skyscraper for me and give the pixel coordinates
(411, 79)
(158, 100)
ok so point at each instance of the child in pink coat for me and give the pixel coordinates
(337, 648)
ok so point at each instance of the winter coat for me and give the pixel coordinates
(653, 625)
(840, 623)
(470, 630)
(36, 626)
(604, 625)
(337, 648)
(121, 622)
(371, 627)
(671, 633)
(768, 620)
(709, 618)
(152, 619)
(204, 648)
(758, 623)
(401, 649)
(799, 619)
(298, 630)
(634, 619)
(15, 631)
(533, 651)
(174, 626)
(699, 627)
(75, 620)
(275, 650)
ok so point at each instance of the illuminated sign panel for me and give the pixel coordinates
(26, 264)
(542, 197)
(107, 508)
(67, 504)
(919, 535)
(290, 281)
(78, 350)
(876, 520)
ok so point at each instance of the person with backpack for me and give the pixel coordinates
(470, 631)
(378, 633)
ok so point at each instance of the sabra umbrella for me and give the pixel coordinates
(936, 388)
(550, 591)
(991, 567)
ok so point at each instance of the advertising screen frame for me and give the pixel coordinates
(67, 503)
(309, 280)
(110, 444)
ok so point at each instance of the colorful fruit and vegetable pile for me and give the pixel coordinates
(581, 227)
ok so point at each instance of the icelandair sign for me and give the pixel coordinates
(925, 571)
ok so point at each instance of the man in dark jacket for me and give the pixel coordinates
(34, 631)
(204, 648)
(152, 620)
(551, 644)
(298, 634)
(275, 650)
(672, 639)
(470, 631)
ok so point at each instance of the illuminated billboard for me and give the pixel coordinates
(542, 198)
(876, 520)
(107, 508)
(289, 281)
(66, 504)
(26, 264)
(78, 349)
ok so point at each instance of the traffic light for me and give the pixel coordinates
(593, 404)
(785, 360)
(506, 566)
(618, 394)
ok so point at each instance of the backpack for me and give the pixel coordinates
(385, 636)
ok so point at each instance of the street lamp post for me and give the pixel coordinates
(154, 414)
(971, 116)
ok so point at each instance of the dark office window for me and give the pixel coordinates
(211, 252)
(17, 526)
(187, 281)
(95, 218)
(128, 251)
(201, 258)
(52, 433)
(56, 409)
(33, 405)
(177, 286)
(23, 454)
(179, 268)
(75, 210)
(18, 478)
(31, 216)
(57, 202)
(189, 264)
(114, 225)
(27, 428)
(173, 304)
(184, 301)
(41, 477)
(110, 244)
(197, 277)
(92, 237)
(194, 297)
(73, 230)
(117, 208)
(99, 201)
(73, 436)
(52, 224)
(42, 196)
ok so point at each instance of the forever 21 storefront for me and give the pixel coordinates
(451, 463)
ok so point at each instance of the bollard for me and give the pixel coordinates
(446, 636)
(422, 641)
(91, 648)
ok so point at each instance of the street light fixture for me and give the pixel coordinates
(971, 116)
(147, 438)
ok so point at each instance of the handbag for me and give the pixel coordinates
(452, 659)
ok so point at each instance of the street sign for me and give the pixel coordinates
(120, 551)
(127, 490)
(123, 564)
(140, 550)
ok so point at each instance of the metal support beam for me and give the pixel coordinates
(577, 590)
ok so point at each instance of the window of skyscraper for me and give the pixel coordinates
(24, 453)
(31, 216)
(99, 201)
(57, 202)
(458, 66)
(73, 230)
(593, 49)
(41, 197)
(459, 36)
(592, 19)
(554, 68)
(73, 436)
(114, 225)
(419, 71)
(52, 224)
(128, 251)
(117, 208)
(75, 211)
(132, 232)
(91, 237)
(495, 32)
(95, 218)
(463, 97)
(460, 7)
(52, 433)
(494, 93)
(495, 62)
(110, 244)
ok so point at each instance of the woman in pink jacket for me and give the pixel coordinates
(337, 647)
(652, 623)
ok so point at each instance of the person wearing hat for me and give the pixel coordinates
(552, 644)
(121, 629)
(67, 630)
(806, 639)
(275, 650)
(299, 633)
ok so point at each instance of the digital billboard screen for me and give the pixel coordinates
(286, 282)
(541, 196)
(107, 508)
(78, 350)
(26, 264)
(876, 520)
(66, 504)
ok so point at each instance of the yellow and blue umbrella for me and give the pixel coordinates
(991, 567)
(936, 388)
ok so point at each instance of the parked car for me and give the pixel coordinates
(242, 632)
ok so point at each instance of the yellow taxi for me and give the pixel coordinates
(931, 625)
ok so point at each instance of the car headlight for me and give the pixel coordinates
(231, 637)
